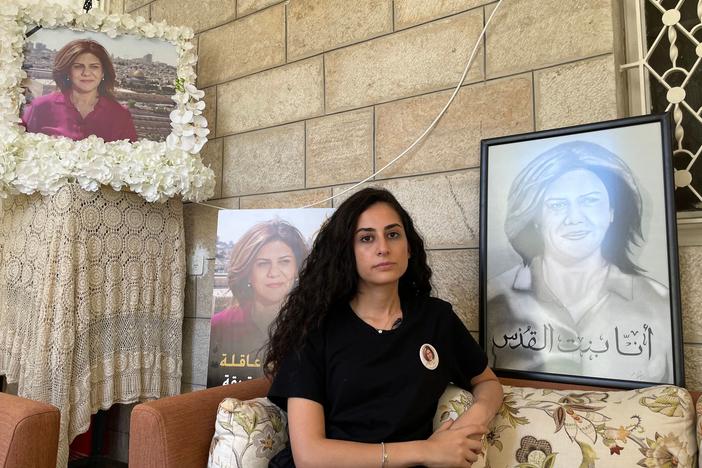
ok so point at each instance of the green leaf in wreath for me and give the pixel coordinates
(180, 85)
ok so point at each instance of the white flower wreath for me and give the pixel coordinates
(33, 162)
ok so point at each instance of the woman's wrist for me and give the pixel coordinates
(407, 453)
(479, 413)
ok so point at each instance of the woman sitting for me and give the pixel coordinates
(360, 353)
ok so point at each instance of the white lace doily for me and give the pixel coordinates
(91, 301)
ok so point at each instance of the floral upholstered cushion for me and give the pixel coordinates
(247, 433)
(452, 404)
(541, 428)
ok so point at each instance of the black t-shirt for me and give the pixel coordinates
(380, 386)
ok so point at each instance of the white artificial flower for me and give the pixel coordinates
(148, 30)
(180, 116)
(194, 92)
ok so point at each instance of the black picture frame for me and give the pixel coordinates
(569, 290)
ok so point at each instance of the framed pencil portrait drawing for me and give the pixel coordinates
(578, 255)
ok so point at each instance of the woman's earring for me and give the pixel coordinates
(248, 285)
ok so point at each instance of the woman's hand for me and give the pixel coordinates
(458, 446)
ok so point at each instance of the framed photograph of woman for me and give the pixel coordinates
(578, 255)
(82, 83)
(99, 99)
(258, 256)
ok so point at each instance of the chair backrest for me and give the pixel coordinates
(29, 433)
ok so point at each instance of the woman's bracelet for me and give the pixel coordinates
(384, 461)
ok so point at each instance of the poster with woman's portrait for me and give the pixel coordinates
(82, 83)
(579, 274)
(258, 257)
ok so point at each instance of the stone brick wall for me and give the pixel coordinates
(308, 96)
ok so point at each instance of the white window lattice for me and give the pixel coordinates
(665, 71)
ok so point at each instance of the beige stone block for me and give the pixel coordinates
(315, 26)
(531, 34)
(228, 203)
(340, 148)
(189, 388)
(444, 207)
(416, 61)
(210, 112)
(497, 108)
(200, 228)
(196, 349)
(204, 14)
(190, 304)
(144, 12)
(295, 199)
(246, 7)
(692, 355)
(242, 47)
(455, 278)
(411, 12)
(284, 94)
(131, 5)
(691, 292)
(267, 160)
(576, 93)
(116, 7)
(204, 295)
(211, 155)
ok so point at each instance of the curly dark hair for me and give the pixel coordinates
(328, 278)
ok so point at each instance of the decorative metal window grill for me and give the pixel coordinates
(666, 73)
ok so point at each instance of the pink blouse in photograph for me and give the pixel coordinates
(55, 114)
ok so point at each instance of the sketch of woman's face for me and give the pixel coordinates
(575, 216)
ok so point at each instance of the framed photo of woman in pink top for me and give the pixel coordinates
(82, 83)
(99, 99)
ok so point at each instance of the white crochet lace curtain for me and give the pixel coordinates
(91, 301)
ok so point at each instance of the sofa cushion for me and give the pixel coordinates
(452, 404)
(247, 433)
(543, 428)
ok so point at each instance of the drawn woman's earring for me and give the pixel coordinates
(248, 285)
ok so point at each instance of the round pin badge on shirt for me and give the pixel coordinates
(428, 356)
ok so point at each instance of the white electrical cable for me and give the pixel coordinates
(431, 125)
(424, 134)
